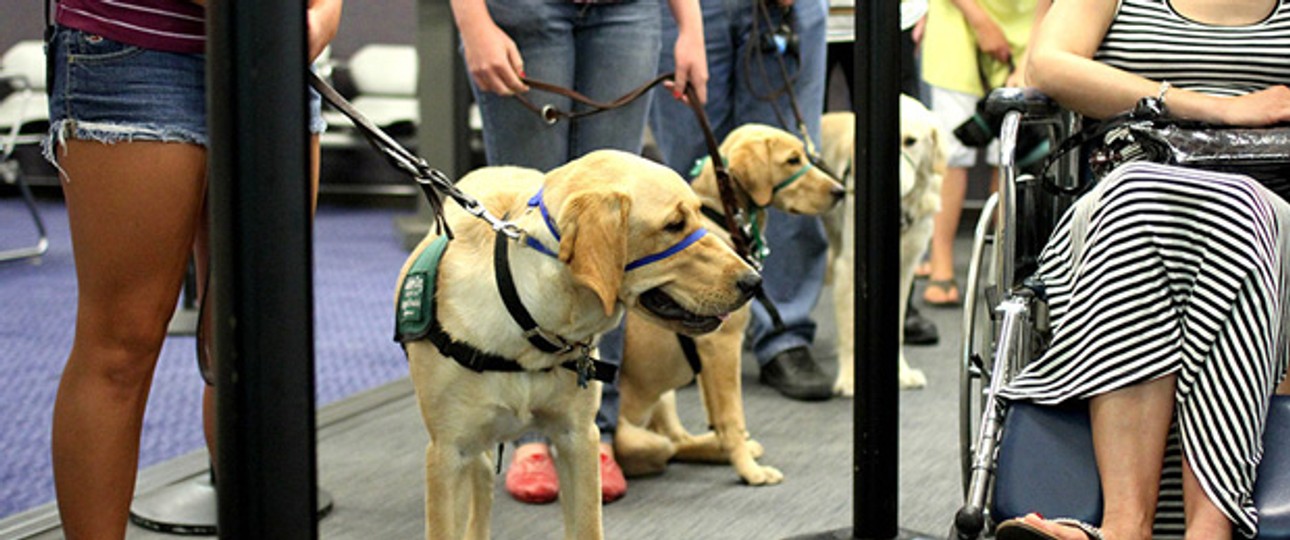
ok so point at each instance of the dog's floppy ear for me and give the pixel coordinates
(940, 154)
(593, 225)
(750, 165)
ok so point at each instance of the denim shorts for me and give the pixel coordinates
(107, 91)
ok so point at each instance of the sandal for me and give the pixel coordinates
(1016, 529)
(923, 270)
(949, 292)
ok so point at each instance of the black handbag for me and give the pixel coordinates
(1148, 133)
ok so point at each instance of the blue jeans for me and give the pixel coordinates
(794, 272)
(599, 50)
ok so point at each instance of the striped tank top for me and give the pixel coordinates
(165, 25)
(1151, 39)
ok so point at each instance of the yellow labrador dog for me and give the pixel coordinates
(771, 168)
(607, 233)
(922, 164)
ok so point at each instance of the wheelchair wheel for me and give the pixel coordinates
(978, 338)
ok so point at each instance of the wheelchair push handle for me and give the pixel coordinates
(1028, 101)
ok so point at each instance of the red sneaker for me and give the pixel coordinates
(532, 478)
(612, 483)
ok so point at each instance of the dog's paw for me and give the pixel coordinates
(755, 449)
(760, 475)
(846, 387)
(911, 378)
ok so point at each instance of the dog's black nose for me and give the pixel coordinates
(838, 192)
(749, 283)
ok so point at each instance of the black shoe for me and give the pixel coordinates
(919, 330)
(796, 375)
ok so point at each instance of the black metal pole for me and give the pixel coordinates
(261, 269)
(876, 95)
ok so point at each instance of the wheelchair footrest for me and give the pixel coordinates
(1046, 465)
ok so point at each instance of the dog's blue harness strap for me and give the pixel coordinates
(537, 201)
(684, 243)
(540, 203)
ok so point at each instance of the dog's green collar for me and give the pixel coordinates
(697, 169)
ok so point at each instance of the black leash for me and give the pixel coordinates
(434, 183)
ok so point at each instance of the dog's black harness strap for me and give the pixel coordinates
(691, 352)
(463, 353)
(506, 286)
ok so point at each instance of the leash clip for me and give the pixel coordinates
(475, 208)
(586, 368)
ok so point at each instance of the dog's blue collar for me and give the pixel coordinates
(538, 201)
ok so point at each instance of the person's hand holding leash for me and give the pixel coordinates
(492, 58)
(690, 53)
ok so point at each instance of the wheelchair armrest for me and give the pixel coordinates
(1029, 101)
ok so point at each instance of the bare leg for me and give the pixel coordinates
(944, 229)
(1204, 520)
(1130, 427)
(133, 210)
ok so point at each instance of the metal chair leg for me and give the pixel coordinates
(10, 173)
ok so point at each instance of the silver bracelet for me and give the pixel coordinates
(1160, 94)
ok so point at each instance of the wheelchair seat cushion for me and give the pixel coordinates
(1046, 465)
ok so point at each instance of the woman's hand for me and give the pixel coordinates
(1256, 109)
(323, 19)
(691, 66)
(690, 52)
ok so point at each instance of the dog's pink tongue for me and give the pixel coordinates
(723, 316)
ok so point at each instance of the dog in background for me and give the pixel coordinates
(584, 224)
(922, 164)
(770, 167)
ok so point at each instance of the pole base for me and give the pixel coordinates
(188, 508)
(848, 534)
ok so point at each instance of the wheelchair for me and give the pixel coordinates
(1018, 458)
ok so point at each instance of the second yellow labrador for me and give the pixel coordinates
(922, 163)
(607, 233)
(771, 168)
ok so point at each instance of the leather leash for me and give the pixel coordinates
(733, 218)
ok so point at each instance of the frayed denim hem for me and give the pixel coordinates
(109, 133)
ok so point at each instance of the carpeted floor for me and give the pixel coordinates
(357, 256)
(377, 486)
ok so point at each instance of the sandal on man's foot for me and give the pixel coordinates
(948, 295)
(1016, 529)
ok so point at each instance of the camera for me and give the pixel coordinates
(979, 130)
(783, 39)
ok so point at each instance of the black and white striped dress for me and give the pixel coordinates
(1162, 270)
